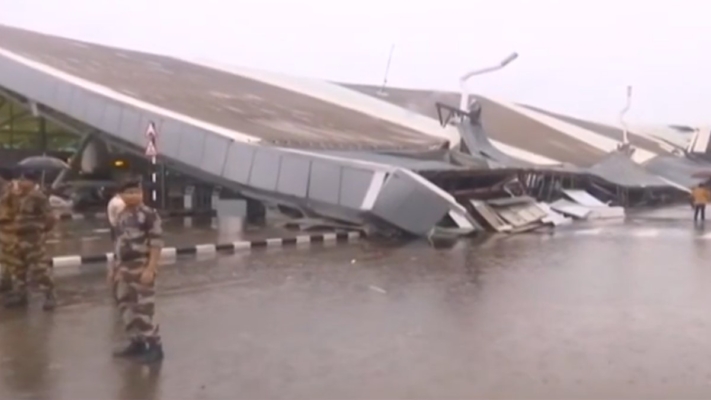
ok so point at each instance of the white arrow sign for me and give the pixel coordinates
(151, 130)
(151, 150)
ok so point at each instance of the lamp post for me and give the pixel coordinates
(464, 100)
(625, 136)
(381, 92)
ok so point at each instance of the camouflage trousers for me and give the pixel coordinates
(5, 241)
(5, 275)
(24, 261)
(136, 301)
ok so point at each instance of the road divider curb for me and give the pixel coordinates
(163, 214)
(204, 249)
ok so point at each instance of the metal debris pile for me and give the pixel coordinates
(521, 213)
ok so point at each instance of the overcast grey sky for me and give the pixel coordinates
(576, 56)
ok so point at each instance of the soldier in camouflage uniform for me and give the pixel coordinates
(5, 236)
(25, 219)
(138, 246)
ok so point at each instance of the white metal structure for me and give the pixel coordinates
(625, 138)
(464, 100)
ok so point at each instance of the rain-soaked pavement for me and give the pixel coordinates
(609, 311)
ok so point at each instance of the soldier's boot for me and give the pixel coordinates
(132, 349)
(153, 353)
(50, 302)
(16, 300)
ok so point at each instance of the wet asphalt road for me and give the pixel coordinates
(614, 311)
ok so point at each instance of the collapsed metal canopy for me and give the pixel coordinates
(677, 169)
(619, 169)
(292, 149)
(38, 71)
(616, 168)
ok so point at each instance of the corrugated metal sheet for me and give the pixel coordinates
(411, 163)
(519, 216)
(522, 213)
(511, 201)
(567, 207)
(677, 169)
(619, 169)
(552, 217)
(490, 216)
(583, 198)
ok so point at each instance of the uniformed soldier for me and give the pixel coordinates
(27, 218)
(138, 245)
(5, 236)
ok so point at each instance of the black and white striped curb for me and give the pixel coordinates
(204, 249)
(163, 214)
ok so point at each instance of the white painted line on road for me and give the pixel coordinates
(241, 245)
(66, 261)
(205, 248)
(300, 239)
(274, 242)
(169, 252)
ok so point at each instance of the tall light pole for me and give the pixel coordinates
(381, 91)
(625, 136)
(464, 100)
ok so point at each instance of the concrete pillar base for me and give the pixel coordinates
(230, 225)
(256, 212)
(231, 215)
(189, 198)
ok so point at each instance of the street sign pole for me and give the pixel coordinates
(152, 152)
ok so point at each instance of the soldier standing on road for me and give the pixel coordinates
(138, 245)
(5, 239)
(27, 218)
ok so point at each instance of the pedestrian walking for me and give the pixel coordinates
(27, 218)
(700, 196)
(138, 245)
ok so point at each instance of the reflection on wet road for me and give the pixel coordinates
(529, 316)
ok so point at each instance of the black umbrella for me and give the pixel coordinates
(43, 163)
